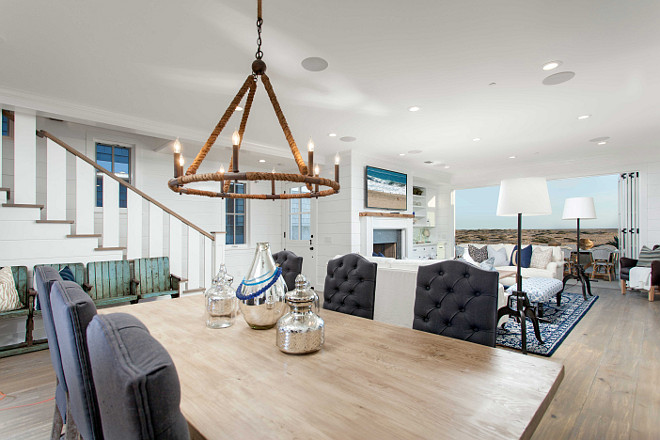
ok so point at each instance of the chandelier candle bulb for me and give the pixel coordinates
(310, 157)
(179, 165)
(272, 184)
(235, 140)
(177, 155)
(337, 168)
(317, 172)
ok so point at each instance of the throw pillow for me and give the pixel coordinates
(460, 250)
(67, 274)
(540, 258)
(9, 299)
(525, 256)
(499, 255)
(647, 256)
(478, 254)
(466, 258)
(488, 264)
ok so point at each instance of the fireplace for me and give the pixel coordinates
(387, 242)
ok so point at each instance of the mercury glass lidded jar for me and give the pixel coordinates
(301, 330)
(221, 301)
(261, 293)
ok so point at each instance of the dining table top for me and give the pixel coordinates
(370, 380)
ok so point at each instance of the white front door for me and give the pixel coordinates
(300, 233)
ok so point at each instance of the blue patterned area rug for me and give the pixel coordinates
(562, 320)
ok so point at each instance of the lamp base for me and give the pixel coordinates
(523, 310)
(578, 273)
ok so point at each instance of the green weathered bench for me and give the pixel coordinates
(78, 270)
(111, 282)
(153, 278)
(26, 295)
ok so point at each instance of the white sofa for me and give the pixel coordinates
(396, 283)
(554, 269)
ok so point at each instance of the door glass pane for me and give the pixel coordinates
(295, 227)
(99, 191)
(230, 205)
(295, 205)
(230, 230)
(305, 205)
(239, 205)
(305, 227)
(240, 235)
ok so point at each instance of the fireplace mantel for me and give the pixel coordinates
(368, 223)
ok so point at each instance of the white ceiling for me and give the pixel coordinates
(171, 67)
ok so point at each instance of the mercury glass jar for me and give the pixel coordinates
(261, 293)
(221, 301)
(301, 330)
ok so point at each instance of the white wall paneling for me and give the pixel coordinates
(55, 181)
(193, 259)
(175, 254)
(25, 158)
(155, 231)
(1, 154)
(134, 226)
(110, 212)
(85, 197)
(208, 263)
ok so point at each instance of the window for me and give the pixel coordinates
(117, 160)
(5, 125)
(235, 216)
(299, 216)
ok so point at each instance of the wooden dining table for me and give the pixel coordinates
(370, 380)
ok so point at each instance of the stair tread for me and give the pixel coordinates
(114, 248)
(5, 189)
(201, 289)
(83, 236)
(57, 222)
(22, 205)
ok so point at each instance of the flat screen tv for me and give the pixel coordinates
(386, 189)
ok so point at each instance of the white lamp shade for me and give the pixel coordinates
(528, 196)
(579, 207)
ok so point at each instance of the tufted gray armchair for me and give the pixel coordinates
(350, 286)
(291, 265)
(458, 300)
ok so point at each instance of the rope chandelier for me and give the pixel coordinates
(308, 174)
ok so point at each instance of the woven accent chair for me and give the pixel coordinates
(73, 309)
(136, 381)
(350, 286)
(291, 265)
(458, 300)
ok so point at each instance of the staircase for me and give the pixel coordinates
(48, 212)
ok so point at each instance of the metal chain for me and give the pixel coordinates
(259, 53)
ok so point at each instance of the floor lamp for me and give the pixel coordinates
(577, 208)
(528, 196)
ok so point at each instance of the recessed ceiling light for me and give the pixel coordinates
(581, 117)
(600, 139)
(332, 135)
(402, 154)
(414, 151)
(558, 78)
(446, 166)
(512, 157)
(262, 160)
(239, 108)
(314, 64)
(492, 84)
(348, 139)
(476, 139)
(550, 65)
(414, 108)
(602, 142)
(428, 162)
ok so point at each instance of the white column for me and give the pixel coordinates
(110, 212)
(134, 221)
(25, 158)
(193, 259)
(155, 231)
(176, 256)
(85, 197)
(208, 263)
(55, 181)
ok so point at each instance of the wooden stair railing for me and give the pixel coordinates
(70, 149)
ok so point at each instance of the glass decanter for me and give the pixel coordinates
(261, 293)
(221, 301)
(301, 330)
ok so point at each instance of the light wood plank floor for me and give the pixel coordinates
(611, 389)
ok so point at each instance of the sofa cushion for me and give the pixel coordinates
(478, 254)
(525, 256)
(9, 299)
(499, 254)
(540, 258)
(647, 256)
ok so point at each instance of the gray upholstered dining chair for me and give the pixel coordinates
(136, 381)
(291, 265)
(458, 300)
(73, 309)
(44, 278)
(350, 285)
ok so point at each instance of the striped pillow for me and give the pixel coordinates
(9, 299)
(646, 256)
